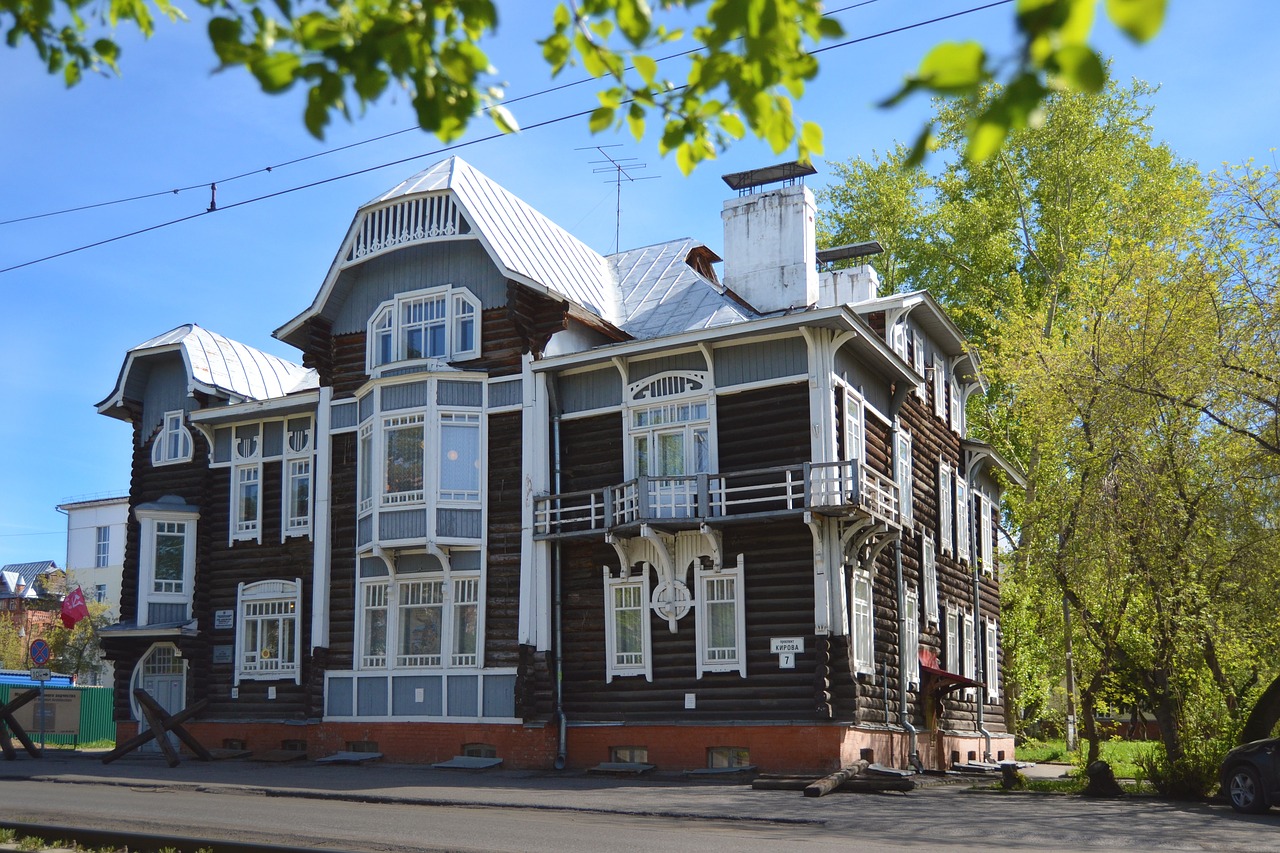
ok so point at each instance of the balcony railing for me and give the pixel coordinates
(830, 488)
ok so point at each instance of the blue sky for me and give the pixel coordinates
(244, 271)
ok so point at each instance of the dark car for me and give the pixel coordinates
(1250, 776)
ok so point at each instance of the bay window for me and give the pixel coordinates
(426, 615)
(166, 560)
(670, 441)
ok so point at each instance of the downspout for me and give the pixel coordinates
(904, 713)
(977, 622)
(982, 691)
(557, 605)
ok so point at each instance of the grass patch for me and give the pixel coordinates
(1122, 755)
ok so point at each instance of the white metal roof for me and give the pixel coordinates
(218, 365)
(525, 245)
(662, 295)
(27, 576)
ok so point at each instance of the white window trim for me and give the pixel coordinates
(253, 531)
(904, 473)
(991, 669)
(148, 519)
(939, 386)
(290, 524)
(970, 651)
(951, 640)
(455, 297)
(946, 503)
(910, 654)
(955, 422)
(432, 419)
(917, 361)
(854, 426)
(929, 573)
(986, 550)
(394, 583)
(706, 577)
(102, 547)
(282, 591)
(862, 621)
(173, 425)
(963, 518)
(644, 667)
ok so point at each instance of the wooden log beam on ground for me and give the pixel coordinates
(167, 724)
(7, 719)
(827, 784)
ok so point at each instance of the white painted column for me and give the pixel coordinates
(320, 535)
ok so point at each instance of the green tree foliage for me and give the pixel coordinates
(76, 650)
(1085, 262)
(13, 651)
(753, 58)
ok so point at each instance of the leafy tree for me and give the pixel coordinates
(753, 57)
(76, 650)
(13, 651)
(1076, 260)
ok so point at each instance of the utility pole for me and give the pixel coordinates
(1072, 741)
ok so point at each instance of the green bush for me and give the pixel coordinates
(1190, 778)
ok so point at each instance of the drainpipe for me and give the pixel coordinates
(977, 633)
(900, 392)
(557, 605)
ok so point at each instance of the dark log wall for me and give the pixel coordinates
(502, 582)
(219, 569)
(778, 584)
(342, 551)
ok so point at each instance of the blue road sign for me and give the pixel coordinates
(40, 652)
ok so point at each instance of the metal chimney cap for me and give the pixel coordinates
(752, 178)
(848, 251)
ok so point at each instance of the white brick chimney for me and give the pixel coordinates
(769, 248)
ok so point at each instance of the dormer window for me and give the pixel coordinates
(439, 323)
(173, 444)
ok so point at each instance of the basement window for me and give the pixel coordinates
(479, 750)
(726, 757)
(629, 754)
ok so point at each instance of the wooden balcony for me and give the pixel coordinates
(685, 503)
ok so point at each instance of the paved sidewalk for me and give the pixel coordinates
(655, 793)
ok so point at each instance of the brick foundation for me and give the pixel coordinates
(800, 749)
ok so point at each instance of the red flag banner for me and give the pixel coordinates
(74, 608)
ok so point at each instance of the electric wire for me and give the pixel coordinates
(433, 153)
(267, 169)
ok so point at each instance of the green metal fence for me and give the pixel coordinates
(96, 724)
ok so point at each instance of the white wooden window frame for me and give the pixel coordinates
(173, 444)
(986, 543)
(917, 361)
(261, 603)
(855, 426)
(910, 654)
(970, 651)
(719, 589)
(929, 573)
(296, 512)
(946, 512)
(951, 641)
(102, 547)
(630, 593)
(246, 479)
(154, 523)
(939, 386)
(862, 619)
(955, 417)
(903, 474)
(388, 327)
(454, 593)
(991, 668)
(963, 517)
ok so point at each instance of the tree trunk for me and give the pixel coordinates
(1088, 707)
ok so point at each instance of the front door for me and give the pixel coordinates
(162, 674)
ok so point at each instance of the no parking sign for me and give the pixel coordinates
(40, 652)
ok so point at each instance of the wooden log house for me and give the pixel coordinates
(523, 500)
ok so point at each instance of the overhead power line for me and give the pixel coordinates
(432, 153)
(202, 185)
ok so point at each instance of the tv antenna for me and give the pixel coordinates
(621, 168)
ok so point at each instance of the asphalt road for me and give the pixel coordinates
(948, 818)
